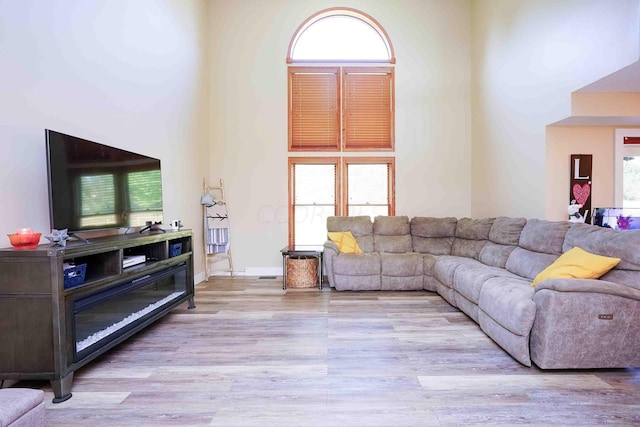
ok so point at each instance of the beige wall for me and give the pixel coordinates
(202, 85)
(125, 73)
(528, 57)
(605, 104)
(249, 112)
(562, 142)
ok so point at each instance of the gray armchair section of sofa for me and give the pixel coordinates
(485, 267)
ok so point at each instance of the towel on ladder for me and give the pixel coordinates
(217, 238)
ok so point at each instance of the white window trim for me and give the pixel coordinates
(619, 152)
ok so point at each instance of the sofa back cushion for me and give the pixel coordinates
(360, 226)
(392, 234)
(544, 236)
(433, 235)
(539, 246)
(528, 264)
(503, 239)
(612, 243)
(471, 236)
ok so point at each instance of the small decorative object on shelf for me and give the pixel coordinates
(574, 212)
(58, 237)
(24, 238)
(623, 222)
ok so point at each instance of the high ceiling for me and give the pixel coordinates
(625, 80)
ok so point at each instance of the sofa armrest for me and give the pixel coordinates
(585, 324)
(589, 286)
(330, 251)
(330, 246)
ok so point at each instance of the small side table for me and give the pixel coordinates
(301, 250)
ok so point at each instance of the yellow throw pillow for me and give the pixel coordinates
(347, 244)
(577, 263)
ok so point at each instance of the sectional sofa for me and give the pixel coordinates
(485, 267)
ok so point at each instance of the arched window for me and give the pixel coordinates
(341, 98)
(339, 35)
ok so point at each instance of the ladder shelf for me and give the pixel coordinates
(217, 247)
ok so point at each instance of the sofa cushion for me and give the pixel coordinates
(468, 279)
(446, 266)
(391, 225)
(544, 236)
(503, 239)
(429, 264)
(495, 255)
(17, 402)
(345, 242)
(471, 236)
(528, 264)
(509, 302)
(357, 272)
(474, 229)
(577, 263)
(506, 231)
(392, 234)
(432, 245)
(360, 226)
(607, 242)
(433, 227)
(401, 265)
(402, 272)
(357, 283)
(467, 248)
(357, 264)
(433, 235)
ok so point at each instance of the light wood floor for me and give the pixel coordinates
(251, 354)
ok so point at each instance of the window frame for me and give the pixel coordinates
(293, 112)
(336, 11)
(335, 161)
(391, 178)
(387, 75)
(342, 141)
(620, 151)
(337, 154)
(341, 164)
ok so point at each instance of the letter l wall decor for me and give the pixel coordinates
(580, 187)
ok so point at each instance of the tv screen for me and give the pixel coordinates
(94, 186)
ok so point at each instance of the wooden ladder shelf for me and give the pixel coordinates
(217, 245)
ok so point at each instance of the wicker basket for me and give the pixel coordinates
(302, 272)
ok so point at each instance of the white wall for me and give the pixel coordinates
(125, 73)
(528, 56)
(249, 112)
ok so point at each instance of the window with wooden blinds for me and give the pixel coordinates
(314, 114)
(368, 109)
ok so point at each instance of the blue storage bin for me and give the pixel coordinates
(74, 275)
(175, 249)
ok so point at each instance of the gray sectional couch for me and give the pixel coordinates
(485, 267)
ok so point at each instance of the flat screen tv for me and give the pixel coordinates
(94, 186)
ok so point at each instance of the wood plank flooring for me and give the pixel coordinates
(252, 354)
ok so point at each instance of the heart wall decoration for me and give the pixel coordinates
(581, 186)
(581, 193)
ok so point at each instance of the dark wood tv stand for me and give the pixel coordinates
(48, 332)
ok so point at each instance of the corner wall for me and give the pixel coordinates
(528, 57)
(130, 74)
(250, 38)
